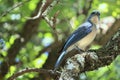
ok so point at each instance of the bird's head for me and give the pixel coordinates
(94, 17)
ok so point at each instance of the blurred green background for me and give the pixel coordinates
(37, 50)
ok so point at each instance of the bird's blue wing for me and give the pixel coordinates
(81, 32)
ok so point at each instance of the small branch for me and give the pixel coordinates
(12, 8)
(86, 8)
(44, 13)
(51, 6)
(52, 21)
(28, 70)
(30, 27)
(39, 12)
(52, 24)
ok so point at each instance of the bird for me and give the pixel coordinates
(82, 37)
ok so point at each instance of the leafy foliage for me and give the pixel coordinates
(69, 18)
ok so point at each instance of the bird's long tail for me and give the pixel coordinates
(60, 59)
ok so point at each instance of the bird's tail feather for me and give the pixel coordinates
(60, 59)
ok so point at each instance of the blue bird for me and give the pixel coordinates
(82, 37)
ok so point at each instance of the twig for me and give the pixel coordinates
(12, 8)
(43, 13)
(50, 7)
(30, 26)
(40, 11)
(52, 21)
(28, 70)
(52, 24)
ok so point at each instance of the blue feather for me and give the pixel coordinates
(77, 35)
(60, 59)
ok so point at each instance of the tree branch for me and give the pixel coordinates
(30, 27)
(104, 38)
(86, 61)
(12, 8)
(28, 70)
(52, 24)
(91, 60)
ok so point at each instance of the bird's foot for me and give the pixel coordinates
(80, 50)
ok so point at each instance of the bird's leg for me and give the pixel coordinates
(77, 48)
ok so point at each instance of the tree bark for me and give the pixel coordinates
(28, 30)
(93, 59)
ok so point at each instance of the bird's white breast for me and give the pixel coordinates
(86, 41)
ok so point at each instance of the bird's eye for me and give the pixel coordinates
(93, 12)
(98, 13)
